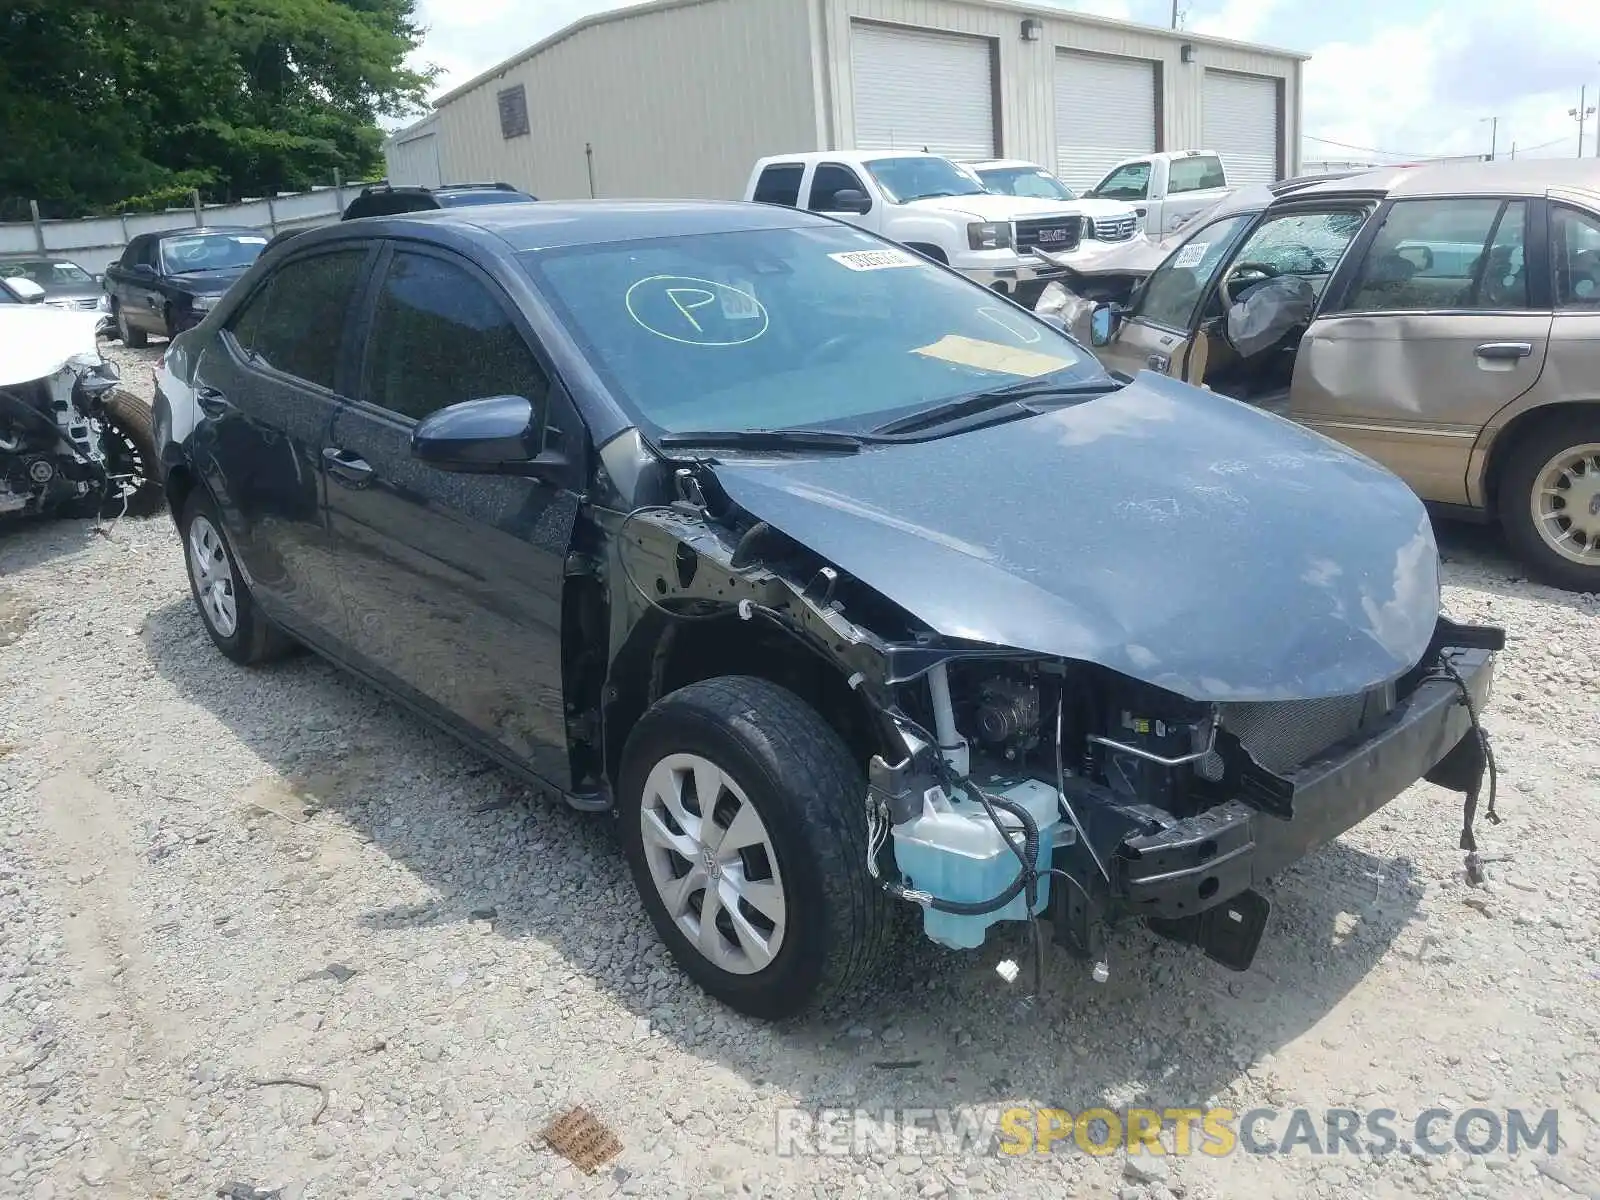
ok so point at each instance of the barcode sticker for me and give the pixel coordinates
(875, 260)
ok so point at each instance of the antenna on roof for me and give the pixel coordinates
(925, 150)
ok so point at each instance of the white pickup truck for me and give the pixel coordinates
(1166, 189)
(928, 204)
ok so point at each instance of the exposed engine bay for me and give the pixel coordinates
(1013, 785)
(70, 442)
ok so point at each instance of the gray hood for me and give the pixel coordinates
(1164, 532)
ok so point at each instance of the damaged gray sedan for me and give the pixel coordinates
(852, 590)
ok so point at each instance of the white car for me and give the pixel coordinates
(931, 205)
(1103, 220)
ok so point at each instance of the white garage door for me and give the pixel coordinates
(415, 161)
(915, 89)
(1105, 112)
(1241, 125)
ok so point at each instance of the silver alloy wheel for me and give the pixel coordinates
(713, 863)
(213, 577)
(1566, 504)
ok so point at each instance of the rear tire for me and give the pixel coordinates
(227, 609)
(1549, 501)
(134, 339)
(795, 920)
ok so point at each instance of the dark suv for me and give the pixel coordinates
(844, 584)
(384, 199)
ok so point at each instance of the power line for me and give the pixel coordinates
(1365, 149)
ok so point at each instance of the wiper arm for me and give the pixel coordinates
(967, 406)
(764, 439)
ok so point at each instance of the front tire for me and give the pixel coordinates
(1549, 500)
(743, 822)
(134, 339)
(227, 609)
(130, 449)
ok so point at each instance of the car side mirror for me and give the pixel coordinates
(496, 435)
(143, 269)
(1103, 321)
(851, 200)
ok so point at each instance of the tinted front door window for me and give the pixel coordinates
(440, 336)
(827, 183)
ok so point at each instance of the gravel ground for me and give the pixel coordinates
(212, 877)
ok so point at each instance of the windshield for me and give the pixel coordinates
(921, 178)
(1033, 182)
(211, 252)
(47, 273)
(814, 327)
(486, 196)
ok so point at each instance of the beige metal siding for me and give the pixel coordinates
(678, 102)
(1025, 88)
(415, 160)
(915, 90)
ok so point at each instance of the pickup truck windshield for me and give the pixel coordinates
(921, 178)
(1033, 182)
(211, 252)
(811, 327)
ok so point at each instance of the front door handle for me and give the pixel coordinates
(1158, 362)
(1502, 351)
(212, 402)
(349, 467)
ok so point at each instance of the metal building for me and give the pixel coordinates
(678, 98)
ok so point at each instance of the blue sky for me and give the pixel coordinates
(1406, 76)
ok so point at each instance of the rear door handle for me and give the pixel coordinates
(349, 467)
(1158, 362)
(1504, 350)
(212, 402)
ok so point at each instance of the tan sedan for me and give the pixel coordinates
(1444, 320)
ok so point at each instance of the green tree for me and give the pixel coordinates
(103, 100)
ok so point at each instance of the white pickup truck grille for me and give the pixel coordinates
(1112, 229)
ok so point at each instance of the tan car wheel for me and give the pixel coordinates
(1550, 502)
(1565, 504)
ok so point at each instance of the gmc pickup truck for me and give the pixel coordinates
(929, 204)
(1165, 189)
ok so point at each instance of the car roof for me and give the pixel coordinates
(1522, 176)
(845, 156)
(980, 164)
(201, 230)
(553, 224)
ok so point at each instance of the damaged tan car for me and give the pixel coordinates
(1443, 320)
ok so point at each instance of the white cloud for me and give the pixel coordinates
(1425, 87)
(1241, 20)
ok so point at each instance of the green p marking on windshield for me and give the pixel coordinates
(676, 295)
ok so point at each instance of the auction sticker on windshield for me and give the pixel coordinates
(875, 260)
(1190, 255)
(993, 356)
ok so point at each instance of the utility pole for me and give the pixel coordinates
(1174, 14)
(1582, 113)
(1494, 134)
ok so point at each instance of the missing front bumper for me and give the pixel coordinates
(1187, 868)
